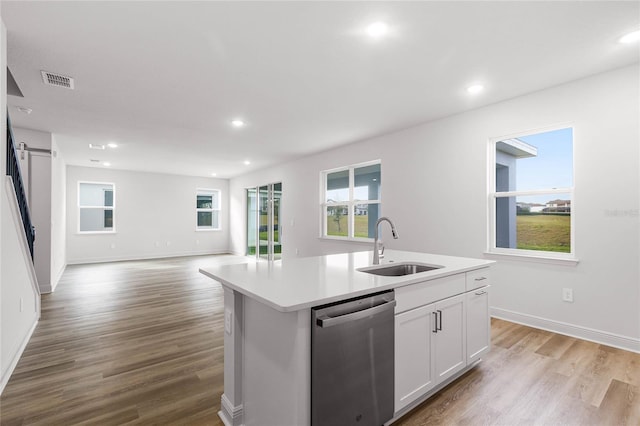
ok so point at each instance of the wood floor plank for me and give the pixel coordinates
(621, 404)
(556, 346)
(516, 334)
(141, 343)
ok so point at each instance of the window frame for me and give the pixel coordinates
(112, 208)
(350, 204)
(209, 191)
(493, 195)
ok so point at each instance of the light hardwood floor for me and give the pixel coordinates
(141, 343)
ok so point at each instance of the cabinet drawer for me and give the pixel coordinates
(414, 295)
(478, 278)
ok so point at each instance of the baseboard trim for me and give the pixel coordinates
(584, 333)
(16, 357)
(143, 257)
(45, 288)
(55, 282)
(230, 415)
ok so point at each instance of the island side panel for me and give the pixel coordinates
(231, 402)
(276, 366)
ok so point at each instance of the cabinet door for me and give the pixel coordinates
(413, 366)
(450, 345)
(478, 324)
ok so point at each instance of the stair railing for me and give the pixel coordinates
(13, 170)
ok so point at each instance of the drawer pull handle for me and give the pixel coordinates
(481, 279)
(480, 293)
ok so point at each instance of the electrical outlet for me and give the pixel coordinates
(113, 245)
(21, 304)
(228, 320)
(567, 294)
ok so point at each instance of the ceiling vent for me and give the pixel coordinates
(96, 146)
(53, 79)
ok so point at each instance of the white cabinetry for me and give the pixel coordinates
(441, 326)
(478, 324)
(450, 343)
(414, 370)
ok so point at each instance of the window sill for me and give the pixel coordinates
(367, 241)
(207, 229)
(96, 233)
(567, 261)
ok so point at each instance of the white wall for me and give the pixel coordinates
(434, 188)
(36, 174)
(19, 299)
(58, 214)
(3, 165)
(154, 216)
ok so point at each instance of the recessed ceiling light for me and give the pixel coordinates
(631, 37)
(112, 145)
(475, 89)
(377, 29)
(106, 164)
(237, 123)
(214, 174)
(25, 110)
(247, 162)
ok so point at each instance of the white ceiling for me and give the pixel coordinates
(164, 79)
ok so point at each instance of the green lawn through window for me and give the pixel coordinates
(544, 232)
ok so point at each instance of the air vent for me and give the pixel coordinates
(53, 79)
(94, 160)
(96, 146)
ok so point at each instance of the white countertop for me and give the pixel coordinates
(301, 283)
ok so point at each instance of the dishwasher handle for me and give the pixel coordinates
(325, 321)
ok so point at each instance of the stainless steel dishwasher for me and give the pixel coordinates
(352, 358)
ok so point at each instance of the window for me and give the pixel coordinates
(96, 206)
(208, 209)
(531, 195)
(351, 201)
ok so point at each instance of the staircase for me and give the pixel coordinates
(13, 170)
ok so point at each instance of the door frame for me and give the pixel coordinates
(270, 205)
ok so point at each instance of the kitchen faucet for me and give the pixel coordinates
(376, 254)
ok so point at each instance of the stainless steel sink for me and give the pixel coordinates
(399, 269)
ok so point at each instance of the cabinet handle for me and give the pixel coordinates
(435, 322)
(480, 293)
(439, 328)
(481, 279)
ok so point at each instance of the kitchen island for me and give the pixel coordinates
(267, 341)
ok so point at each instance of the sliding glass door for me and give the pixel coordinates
(263, 220)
